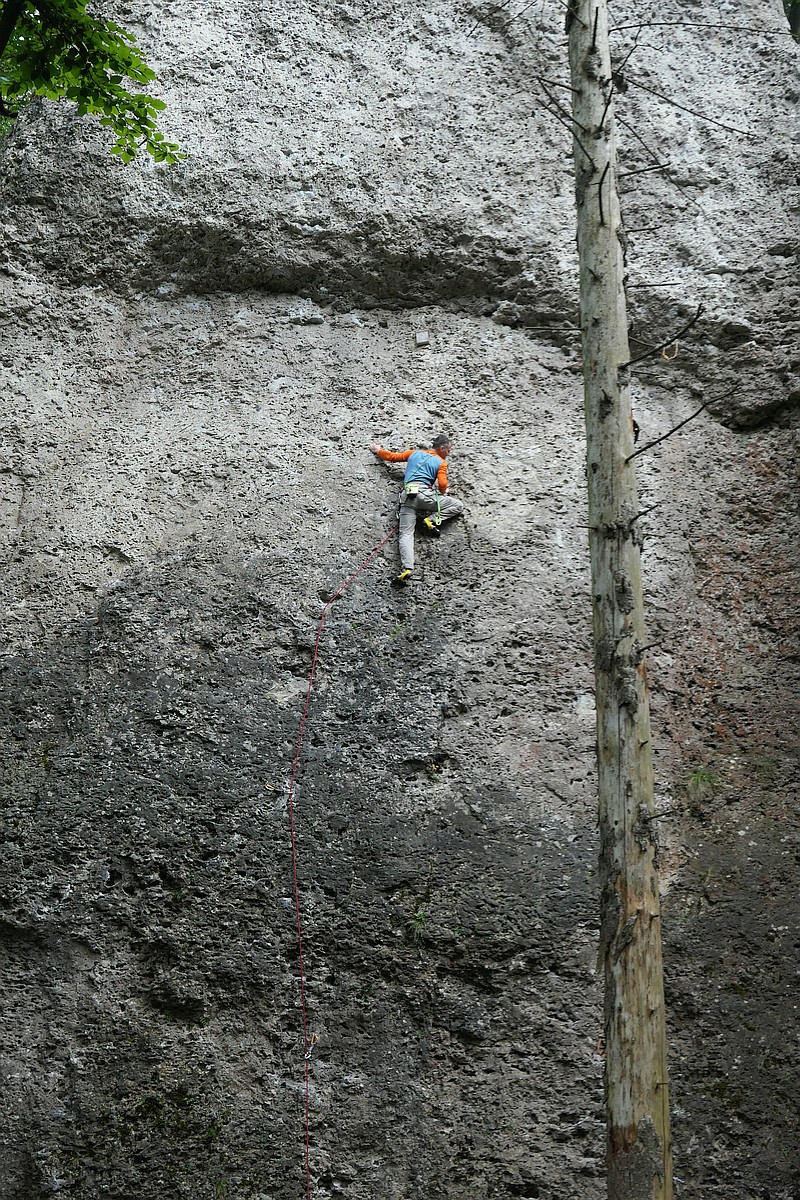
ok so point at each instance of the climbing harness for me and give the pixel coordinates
(413, 489)
(310, 1042)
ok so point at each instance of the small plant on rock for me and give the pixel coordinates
(701, 786)
(415, 926)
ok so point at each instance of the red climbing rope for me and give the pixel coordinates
(308, 1043)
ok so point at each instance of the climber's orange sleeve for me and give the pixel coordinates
(441, 477)
(391, 456)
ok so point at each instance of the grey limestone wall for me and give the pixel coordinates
(194, 360)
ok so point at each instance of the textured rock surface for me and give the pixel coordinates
(194, 361)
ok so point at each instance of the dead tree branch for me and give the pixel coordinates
(643, 170)
(669, 342)
(496, 9)
(654, 156)
(567, 120)
(692, 111)
(669, 433)
(600, 192)
(698, 25)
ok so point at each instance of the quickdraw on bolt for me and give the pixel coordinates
(665, 353)
(312, 1043)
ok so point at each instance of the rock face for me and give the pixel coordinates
(194, 360)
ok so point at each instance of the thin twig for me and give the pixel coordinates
(564, 112)
(692, 111)
(600, 191)
(571, 7)
(669, 433)
(496, 9)
(669, 342)
(608, 105)
(634, 47)
(698, 25)
(563, 122)
(642, 513)
(654, 156)
(516, 17)
(642, 170)
(555, 83)
(568, 127)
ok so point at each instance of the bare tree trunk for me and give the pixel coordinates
(637, 1102)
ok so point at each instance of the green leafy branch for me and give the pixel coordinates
(55, 49)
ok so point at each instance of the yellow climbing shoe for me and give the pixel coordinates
(403, 579)
(431, 528)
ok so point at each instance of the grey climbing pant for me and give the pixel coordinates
(424, 503)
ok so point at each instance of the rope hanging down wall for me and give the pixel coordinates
(309, 1042)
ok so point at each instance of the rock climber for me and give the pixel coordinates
(424, 494)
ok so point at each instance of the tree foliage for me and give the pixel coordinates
(57, 50)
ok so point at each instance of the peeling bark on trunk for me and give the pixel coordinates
(639, 1156)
